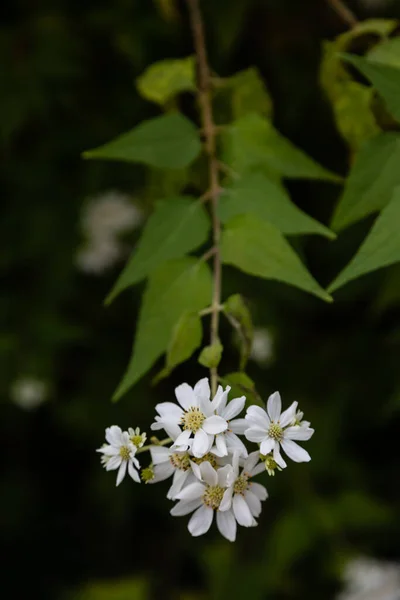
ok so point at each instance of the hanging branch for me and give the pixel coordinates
(209, 132)
(344, 12)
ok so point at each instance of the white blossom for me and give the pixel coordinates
(262, 348)
(119, 454)
(204, 498)
(241, 502)
(28, 392)
(371, 579)
(196, 414)
(109, 213)
(137, 438)
(98, 255)
(272, 429)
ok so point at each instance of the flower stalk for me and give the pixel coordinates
(209, 131)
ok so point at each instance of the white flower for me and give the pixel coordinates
(371, 579)
(272, 429)
(196, 414)
(119, 454)
(204, 497)
(228, 440)
(242, 499)
(28, 393)
(137, 438)
(110, 213)
(262, 348)
(99, 255)
(167, 462)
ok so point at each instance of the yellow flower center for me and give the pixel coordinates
(206, 458)
(137, 440)
(180, 460)
(213, 495)
(275, 432)
(241, 484)
(124, 453)
(193, 419)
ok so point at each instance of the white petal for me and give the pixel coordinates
(200, 444)
(121, 472)
(177, 484)
(135, 462)
(192, 491)
(186, 396)
(226, 501)
(201, 521)
(235, 444)
(251, 461)
(260, 468)
(267, 446)
(159, 454)
(226, 524)
(278, 457)
(182, 439)
(242, 511)
(208, 474)
(169, 410)
(133, 473)
(196, 470)
(183, 507)
(221, 444)
(239, 426)
(295, 452)
(233, 408)
(259, 490)
(113, 463)
(171, 427)
(253, 502)
(109, 450)
(258, 415)
(113, 435)
(202, 390)
(226, 476)
(162, 472)
(220, 399)
(214, 425)
(298, 433)
(274, 406)
(254, 434)
(288, 415)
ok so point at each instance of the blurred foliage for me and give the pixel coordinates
(68, 73)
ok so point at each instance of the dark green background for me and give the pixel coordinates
(67, 84)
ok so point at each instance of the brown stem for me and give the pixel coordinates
(209, 130)
(344, 12)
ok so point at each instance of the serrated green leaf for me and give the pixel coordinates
(252, 142)
(370, 183)
(177, 226)
(384, 78)
(381, 247)
(242, 385)
(258, 248)
(255, 194)
(387, 52)
(237, 312)
(177, 286)
(186, 338)
(168, 142)
(165, 79)
(210, 356)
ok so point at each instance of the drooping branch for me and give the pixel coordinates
(209, 131)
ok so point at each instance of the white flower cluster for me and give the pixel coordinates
(211, 469)
(104, 218)
(28, 392)
(371, 579)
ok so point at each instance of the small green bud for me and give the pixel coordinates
(147, 474)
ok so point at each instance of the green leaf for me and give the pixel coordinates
(355, 510)
(381, 247)
(186, 338)
(129, 589)
(168, 142)
(210, 356)
(258, 248)
(267, 200)
(252, 141)
(384, 78)
(165, 79)
(178, 286)
(236, 310)
(242, 385)
(387, 52)
(177, 226)
(370, 183)
(249, 94)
